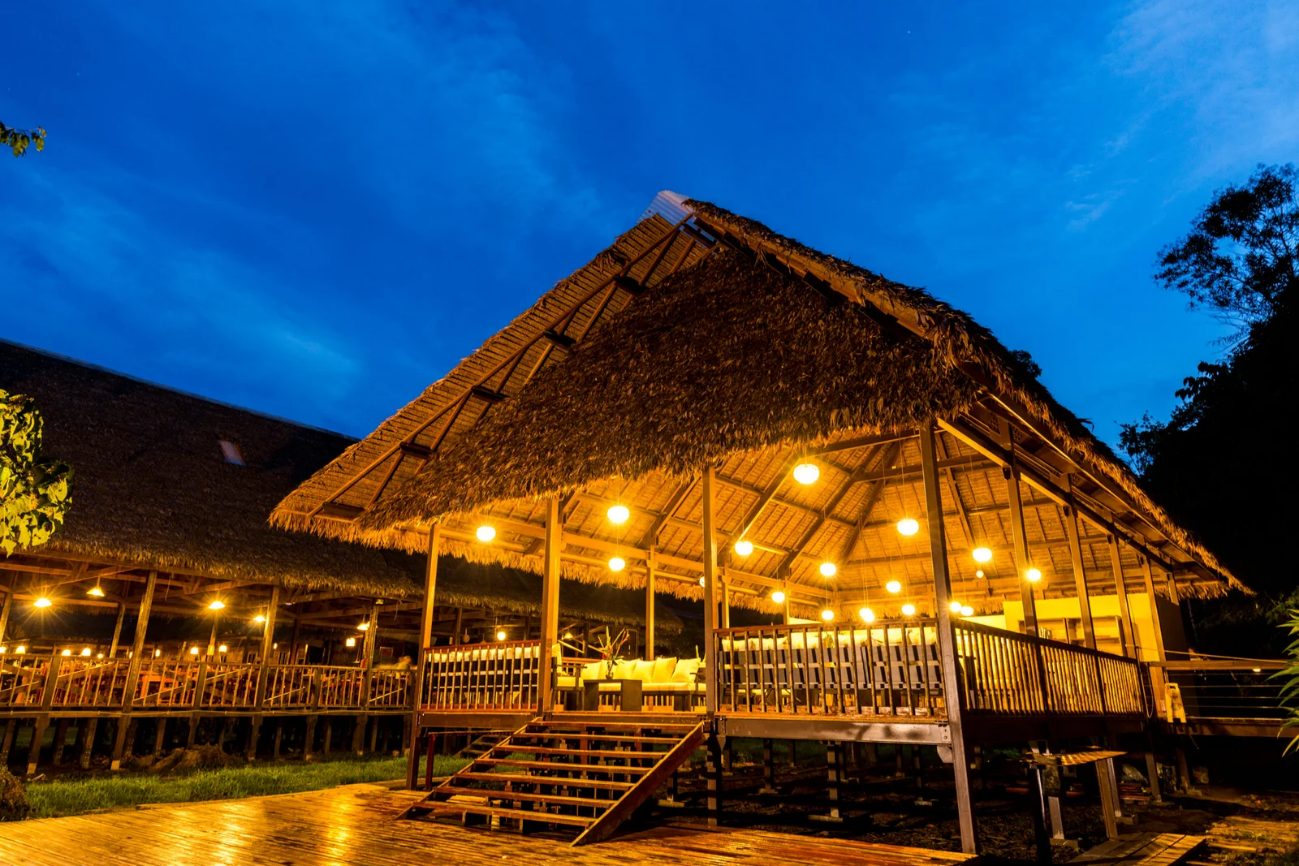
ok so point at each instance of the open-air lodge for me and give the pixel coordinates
(898, 537)
(939, 552)
(169, 611)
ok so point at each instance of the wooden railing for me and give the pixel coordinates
(1213, 688)
(489, 676)
(30, 682)
(888, 668)
(1010, 674)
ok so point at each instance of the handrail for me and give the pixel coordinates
(502, 675)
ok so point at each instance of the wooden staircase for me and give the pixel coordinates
(483, 743)
(587, 776)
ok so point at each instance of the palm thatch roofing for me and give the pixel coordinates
(706, 338)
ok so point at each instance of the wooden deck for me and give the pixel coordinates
(358, 824)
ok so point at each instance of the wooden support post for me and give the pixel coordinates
(1022, 562)
(39, 724)
(947, 637)
(712, 687)
(4, 614)
(327, 745)
(550, 579)
(60, 741)
(723, 579)
(713, 771)
(834, 778)
(1152, 774)
(430, 759)
(11, 727)
(649, 607)
(374, 733)
(1129, 636)
(1109, 797)
(1079, 575)
(133, 671)
(425, 641)
(87, 743)
(1182, 771)
(768, 768)
(309, 738)
(1037, 793)
(160, 735)
(458, 627)
(785, 606)
(279, 737)
(117, 630)
(1156, 674)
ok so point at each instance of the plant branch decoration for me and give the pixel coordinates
(35, 491)
(610, 649)
(18, 140)
(1290, 686)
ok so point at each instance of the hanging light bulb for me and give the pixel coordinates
(351, 641)
(485, 533)
(217, 604)
(259, 619)
(20, 649)
(157, 653)
(908, 610)
(223, 649)
(827, 615)
(893, 586)
(744, 547)
(701, 581)
(95, 591)
(3, 650)
(967, 611)
(866, 614)
(979, 573)
(908, 526)
(1033, 575)
(617, 563)
(806, 473)
(982, 554)
(85, 652)
(66, 653)
(618, 513)
(828, 569)
(365, 626)
(778, 597)
(500, 634)
(955, 607)
(193, 650)
(42, 602)
(99, 655)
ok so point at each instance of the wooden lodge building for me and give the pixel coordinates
(167, 600)
(941, 553)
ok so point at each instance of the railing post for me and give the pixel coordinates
(51, 682)
(1040, 661)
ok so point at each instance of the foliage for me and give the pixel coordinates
(1239, 259)
(1290, 686)
(1213, 462)
(18, 140)
(35, 491)
(71, 796)
(609, 646)
(13, 797)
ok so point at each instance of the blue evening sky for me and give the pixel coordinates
(315, 208)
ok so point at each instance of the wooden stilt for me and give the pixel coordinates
(192, 734)
(6, 743)
(374, 732)
(358, 733)
(329, 735)
(60, 741)
(124, 727)
(411, 725)
(87, 743)
(279, 736)
(429, 761)
(1183, 772)
(39, 724)
(1037, 794)
(1152, 774)
(309, 739)
(1109, 796)
(160, 735)
(713, 772)
(254, 734)
(834, 778)
(768, 768)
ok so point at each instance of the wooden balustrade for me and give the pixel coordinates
(490, 676)
(76, 683)
(1006, 673)
(887, 668)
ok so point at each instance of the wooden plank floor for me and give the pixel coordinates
(357, 824)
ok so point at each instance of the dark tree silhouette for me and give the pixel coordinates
(18, 140)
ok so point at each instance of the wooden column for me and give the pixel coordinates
(649, 607)
(1022, 563)
(785, 606)
(458, 627)
(554, 542)
(723, 579)
(425, 639)
(947, 638)
(1079, 575)
(4, 614)
(710, 591)
(1129, 634)
(133, 672)
(1156, 674)
(263, 670)
(117, 630)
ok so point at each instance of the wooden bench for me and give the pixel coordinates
(1143, 849)
(1047, 797)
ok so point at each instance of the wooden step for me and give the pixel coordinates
(679, 729)
(449, 808)
(603, 738)
(633, 754)
(519, 797)
(573, 767)
(553, 781)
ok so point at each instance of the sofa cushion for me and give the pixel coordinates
(663, 670)
(593, 671)
(622, 671)
(567, 682)
(686, 671)
(642, 670)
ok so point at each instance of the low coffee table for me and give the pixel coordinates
(629, 695)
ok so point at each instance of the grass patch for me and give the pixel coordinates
(74, 796)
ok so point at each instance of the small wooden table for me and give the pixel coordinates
(629, 695)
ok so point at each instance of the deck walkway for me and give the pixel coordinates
(357, 824)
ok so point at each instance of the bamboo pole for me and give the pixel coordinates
(710, 590)
(425, 638)
(649, 607)
(1129, 634)
(1079, 575)
(554, 540)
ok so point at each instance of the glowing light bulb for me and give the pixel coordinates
(743, 547)
(259, 618)
(3, 649)
(365, 626)
(617, 563)
(217, 605)
(982, 554)
(806, 473)
(568, 635)
(967, 611)
(701, 581)
(778, 597)
(955, 607)
(95, 591)
(618, 513)
(908, 610)
(827, 615)
(979, 573)
(85, 652)
(223, 649)
(157, 653)
(908, 526)
(893, 586)
(351, 641)
(20, 649)
(1033, 575)
(66, 653)
(42, 602)
(866, 614)
(99, 655)
(193, 650)
(500, 635)
(485, 533)
(828, 569)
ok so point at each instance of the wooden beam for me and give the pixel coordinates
(1070, 518)
(4, 613)
(754, 512)
(117, 630)
(425, 639)
(861, 442)
(947, 641)
(550, 582)
(133, 671)
(1022, 562)
(1121, 588)
(711, 686)
(649, 607)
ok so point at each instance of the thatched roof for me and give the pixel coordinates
(745, 349)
